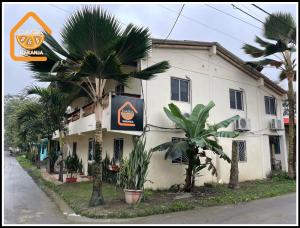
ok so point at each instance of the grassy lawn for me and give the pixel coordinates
(157, 202)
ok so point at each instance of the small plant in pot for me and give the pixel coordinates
(72, 165)
(133, 172)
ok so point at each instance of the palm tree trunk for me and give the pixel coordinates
(292, 155)
(234, 170)
(60, 178)
(97, 196)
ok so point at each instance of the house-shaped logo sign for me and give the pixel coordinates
(28, 41)
(126, 114)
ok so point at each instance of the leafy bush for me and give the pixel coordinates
(133, 171)
(72, 164)
(277, 175)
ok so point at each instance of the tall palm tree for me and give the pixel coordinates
(200, 137)
(95, 50)
(280, 32)
(54, 101)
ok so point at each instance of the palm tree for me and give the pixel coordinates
(54, 101)
(280, 32)
(94, 51)
(199, 139)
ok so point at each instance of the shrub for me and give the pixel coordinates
(133, 171)
(277, 175)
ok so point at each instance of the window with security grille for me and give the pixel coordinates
(182, 159)
(241, 149)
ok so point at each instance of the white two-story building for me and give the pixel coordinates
(200, 72)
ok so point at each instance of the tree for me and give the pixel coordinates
(234, 170)
(200, 138)
(280, 32)
(95, 50)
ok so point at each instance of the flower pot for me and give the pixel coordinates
(71, 179)
(133, 196)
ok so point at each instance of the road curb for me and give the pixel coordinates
(69, 213)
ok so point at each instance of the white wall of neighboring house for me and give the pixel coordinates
(211, 77)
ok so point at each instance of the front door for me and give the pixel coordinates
(275, 152)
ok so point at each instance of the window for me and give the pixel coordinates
(181, 159)
(91, 149)
(241, 150)
(119, 89)
(274, 144)
(236, 99)
(180, 89)
(74, 148)
(270, 105)
(118, 149)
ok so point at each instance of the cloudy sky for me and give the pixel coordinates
(198, 22)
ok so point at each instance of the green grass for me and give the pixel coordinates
(77, 196)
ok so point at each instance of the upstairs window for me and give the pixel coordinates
(236, 99)
(180, 89)
(119, 89)
(270, 105)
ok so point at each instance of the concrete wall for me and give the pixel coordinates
(211, 77)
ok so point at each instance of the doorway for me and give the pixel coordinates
(275, 152)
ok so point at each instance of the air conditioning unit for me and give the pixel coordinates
(242, 124)
(276, 124)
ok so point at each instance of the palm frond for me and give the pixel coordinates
(253, 51)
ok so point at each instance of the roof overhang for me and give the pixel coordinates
(222, 52)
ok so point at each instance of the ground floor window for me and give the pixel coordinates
(241, 150)
(274, 144)
(118, 149)
(182, 159)
(74, 148)
(91, 149)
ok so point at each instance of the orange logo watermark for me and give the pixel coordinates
(28, 41)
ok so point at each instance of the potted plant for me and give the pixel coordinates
(133, 172)
(72, 165)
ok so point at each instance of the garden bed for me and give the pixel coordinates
(77, 195)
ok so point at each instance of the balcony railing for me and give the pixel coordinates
(88, 109)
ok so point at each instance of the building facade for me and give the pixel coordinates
(200, 72)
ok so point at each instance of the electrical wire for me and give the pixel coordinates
(228, 14)
(175, 22)
(283, 22)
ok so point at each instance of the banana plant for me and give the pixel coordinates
(200, 138)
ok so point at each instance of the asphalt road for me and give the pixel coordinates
(25, 202)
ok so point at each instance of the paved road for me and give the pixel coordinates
(276, 210)
(24, 201)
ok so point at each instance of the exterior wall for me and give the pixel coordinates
(211, 77)
(108, 145)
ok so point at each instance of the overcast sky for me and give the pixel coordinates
(198, 22)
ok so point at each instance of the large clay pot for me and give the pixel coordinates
(133, 196)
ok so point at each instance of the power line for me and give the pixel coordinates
(235, 7)
(175, 22)
(205, 25)
(209, 27)
(248, 8)
(273, 16)
(233, 16)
